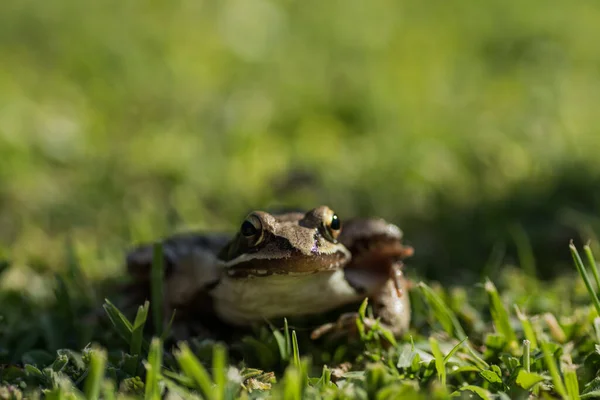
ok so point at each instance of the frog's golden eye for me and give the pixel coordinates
(333, 228)
(252, 229)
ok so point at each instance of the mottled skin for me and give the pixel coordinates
(291, 264)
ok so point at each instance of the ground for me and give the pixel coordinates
(471, 126)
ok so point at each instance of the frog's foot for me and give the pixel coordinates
(339, 371)
(344, 326)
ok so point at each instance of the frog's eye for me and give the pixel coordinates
(336, 224)
(252, 229)
(333, 228)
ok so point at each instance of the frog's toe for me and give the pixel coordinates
(344, 326)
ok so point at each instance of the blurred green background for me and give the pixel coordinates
(473, 125)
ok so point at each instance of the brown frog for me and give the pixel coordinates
(283, 265)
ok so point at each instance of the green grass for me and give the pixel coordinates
(508, 352)
(472, 125)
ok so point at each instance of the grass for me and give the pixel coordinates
(509, 352)
(474, 126)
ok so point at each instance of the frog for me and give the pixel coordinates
(281, 265)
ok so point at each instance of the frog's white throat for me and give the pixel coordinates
(244, 301)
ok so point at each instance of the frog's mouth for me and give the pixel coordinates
(293, 263)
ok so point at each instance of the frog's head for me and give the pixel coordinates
(291, 243)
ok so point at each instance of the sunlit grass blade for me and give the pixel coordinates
(288, 339)
(553, 369)
(95, 377)
(157, 287)
(499, 314)
(296, 349)
(122, 325)
(219, 364)
(440, 366)
(526, 355)
(592, 261)
(360, 321)
(571, 383)
(527, 328)
(292, 383)
(443, 314)
(179, 378)
(597, 329)
(477, 359)
(325, 379)
(283, 341)
(583, 273)
(388, 335)
(55, 394)
(108, 390)
(137, 334)
(375, 377)
(454, 350)
(153, 367)
(556, 331)
(194, 370)
(440, 359)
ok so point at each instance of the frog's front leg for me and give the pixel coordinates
(391, 307)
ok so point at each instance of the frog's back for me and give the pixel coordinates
(190, 266)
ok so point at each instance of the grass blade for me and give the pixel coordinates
(157, 287)
(119, 321)
(292, 384)
(108, 390)
(442, 312)
(169, 326)
(153, 367)
(556, 331)
(219, 371)
(583, 273)
(499, 314)
(137, 334)
(571, 383)
(288, 339)
(440, 366)
(194, 370)
(527, 328)
(551, 365)
(360, 321)
(282, 341)
(296, 349)
(597, 329)
(93, 382)
(526, 355)
(454, 350)
(592, 261)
